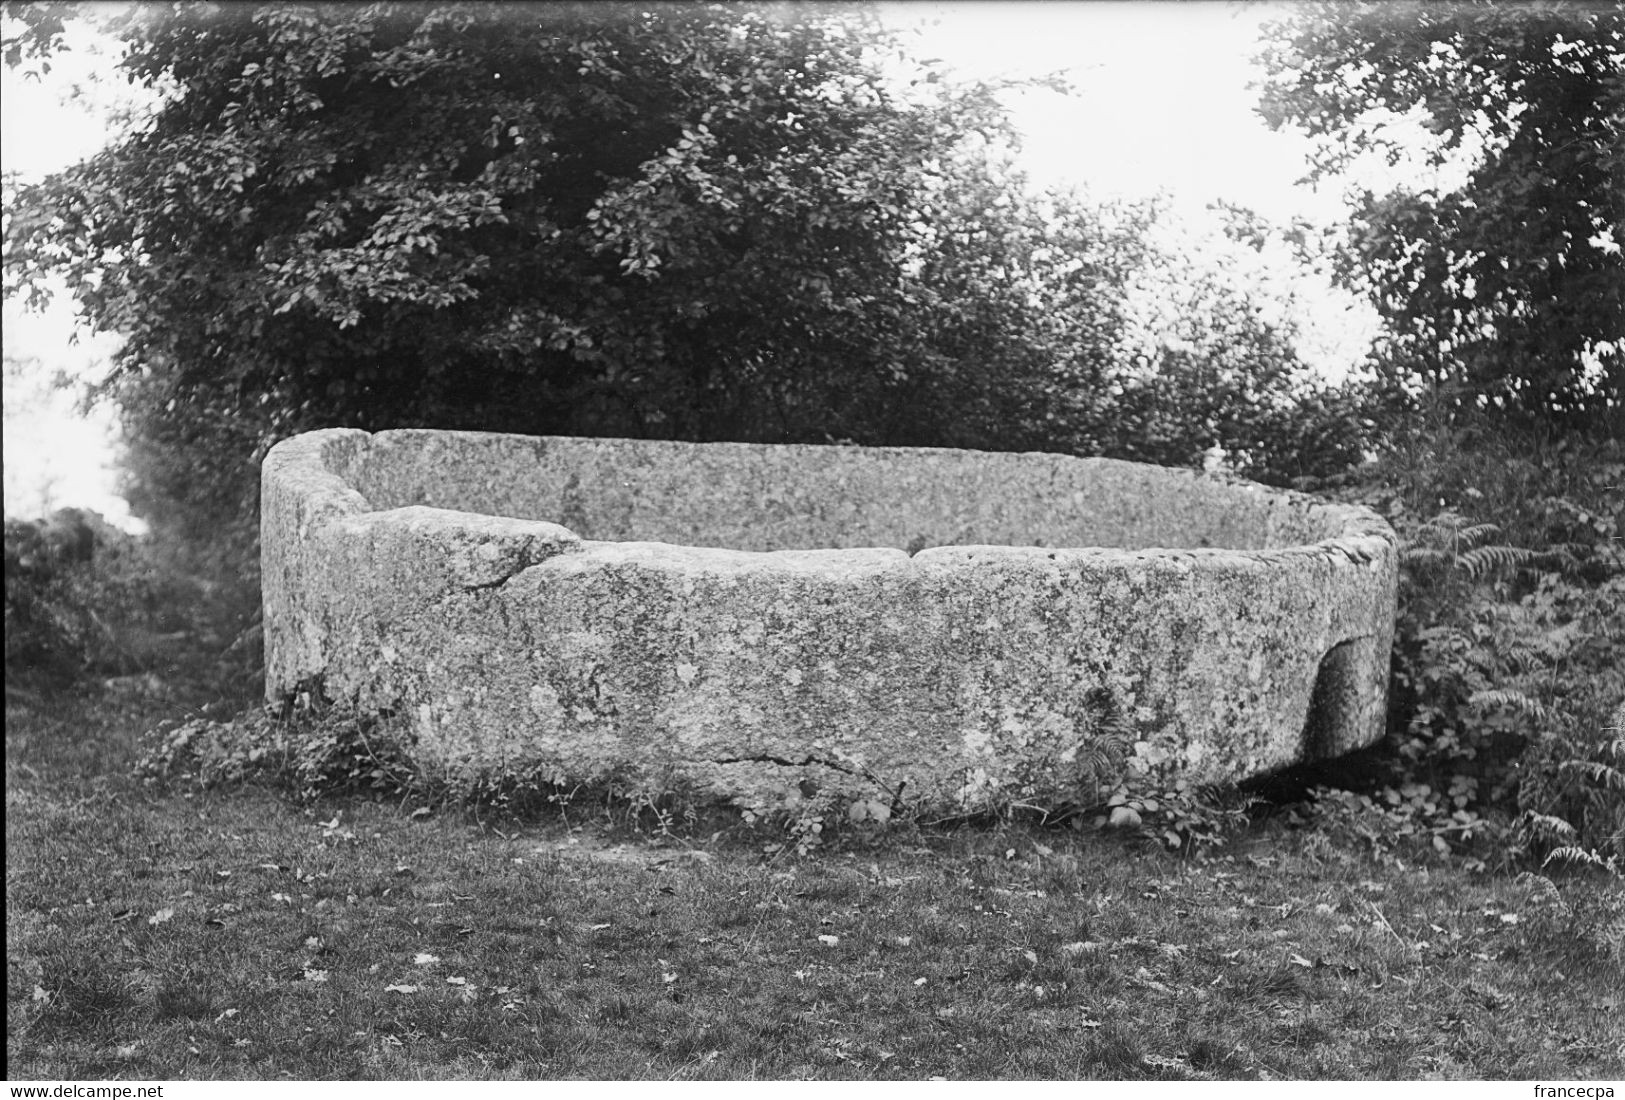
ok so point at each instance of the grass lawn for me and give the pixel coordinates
(240, 935)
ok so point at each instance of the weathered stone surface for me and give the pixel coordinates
(743, 617)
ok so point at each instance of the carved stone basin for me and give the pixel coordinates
(970, 629)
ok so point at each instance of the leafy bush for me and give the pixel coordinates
(1181, 817)
(85, 599)
(74, 584)
(1509, 654)
(314, 749)
(310, 752)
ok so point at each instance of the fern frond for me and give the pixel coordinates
(1568, 554)
(1570, 853)
(1548, 827)
(1601, 774)
(1425, 555)
(1483, 559)
(1520, 659)
(1446, 522)
(1514, 700)
(1543, 889)
(1476, 533)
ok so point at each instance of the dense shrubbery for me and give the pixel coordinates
(311, 753)
(1509, 658)
(84, 599)
(1501, 377)
(73, 585)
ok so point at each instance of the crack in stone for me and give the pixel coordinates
(526, 554)
(784, 762)
(895, 794)
(486, 586)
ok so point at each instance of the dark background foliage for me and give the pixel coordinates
(1506, 292)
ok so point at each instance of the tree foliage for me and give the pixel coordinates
(39, 32)
(1508, 290)
(674, 220)
(683, 221)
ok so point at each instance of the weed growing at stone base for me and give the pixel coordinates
(307, 757)
(317, 751)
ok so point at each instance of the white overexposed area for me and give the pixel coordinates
(1160, 103)
(56, 454)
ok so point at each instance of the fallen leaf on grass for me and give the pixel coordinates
(161, 916)
(400, 989)
(226, 1015)
(456, 981)
(1303, 962)
(829, 941)
(423, 958)
(315, 975)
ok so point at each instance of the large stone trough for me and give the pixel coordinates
(969, 629)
